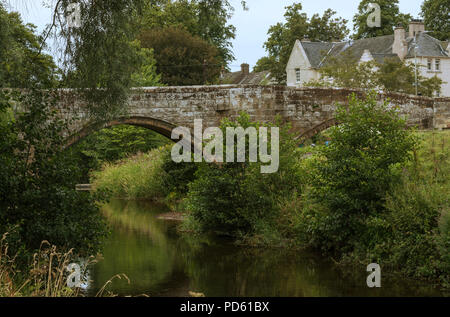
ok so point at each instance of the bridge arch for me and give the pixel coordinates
(162, 127)
(316, 130)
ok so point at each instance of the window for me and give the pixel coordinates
(297, 75)
(429, 64)
(438, 65)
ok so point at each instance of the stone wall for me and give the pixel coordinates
(309, 110)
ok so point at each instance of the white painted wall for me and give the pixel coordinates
(443, 73)
(298, 59)
(366, 57)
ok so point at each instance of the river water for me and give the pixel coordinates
(161, 262)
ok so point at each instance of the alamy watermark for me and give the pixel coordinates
(73, 15)
(374, 278)
(374, 17)
(209, 145)
(74, 278)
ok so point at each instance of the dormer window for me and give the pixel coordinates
(297, 75)
(438, 65)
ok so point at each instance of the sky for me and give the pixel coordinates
(251, 26)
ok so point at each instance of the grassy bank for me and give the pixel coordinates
(411, 232)
(140, 177)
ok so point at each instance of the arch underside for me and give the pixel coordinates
(424, 124)
(159, 126)
(316, 130)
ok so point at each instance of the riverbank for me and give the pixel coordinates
(368, 191)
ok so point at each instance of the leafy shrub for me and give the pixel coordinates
(350, 178)
(444, 247)
(236, 198)
(407, 239)
(37, 180)
(178, 175)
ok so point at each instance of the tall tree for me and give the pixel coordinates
(436, 15)
(100, 54)
(263, 64)
(38, 199)
(182, 59)
(390, 18)
(207, 19)
(21, 62)
(282, 36)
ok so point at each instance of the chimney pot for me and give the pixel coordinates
(245, 69)
(415, 27)
(399, 47)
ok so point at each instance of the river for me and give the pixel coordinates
(159, 261)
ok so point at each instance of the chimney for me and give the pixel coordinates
(400, 46)
(415, 27)
(245, 69)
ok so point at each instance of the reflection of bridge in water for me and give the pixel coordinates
(308, 110)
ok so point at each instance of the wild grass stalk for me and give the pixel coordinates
(46, 276)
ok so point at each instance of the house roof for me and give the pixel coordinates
(426, 46)
(253, 78)
(380, 47)
(316, 51)
(380, 58)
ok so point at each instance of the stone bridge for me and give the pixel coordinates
(309, 110)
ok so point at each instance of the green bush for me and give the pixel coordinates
(417, 214)
(349, 178)
(406, 240)
(178, 175)
(444, 247)
(379, 197)
(37, 181)
(235, 198)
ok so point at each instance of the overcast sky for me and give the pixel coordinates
(252, 25)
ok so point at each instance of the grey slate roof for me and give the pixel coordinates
(426, 46)
(380, 58)
(316, 51)
(253, 78)
(380, 47)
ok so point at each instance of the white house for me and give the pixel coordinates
(417, 47)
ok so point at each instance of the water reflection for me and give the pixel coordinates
(160, 262)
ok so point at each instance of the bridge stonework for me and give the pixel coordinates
(309, 110)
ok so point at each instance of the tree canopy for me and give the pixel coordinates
(21, 62)
(282, 36)
(207, 19)
(436, 15)
(182, 59)
(390, 18)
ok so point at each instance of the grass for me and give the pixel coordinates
(45, 276)
(140, 177)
